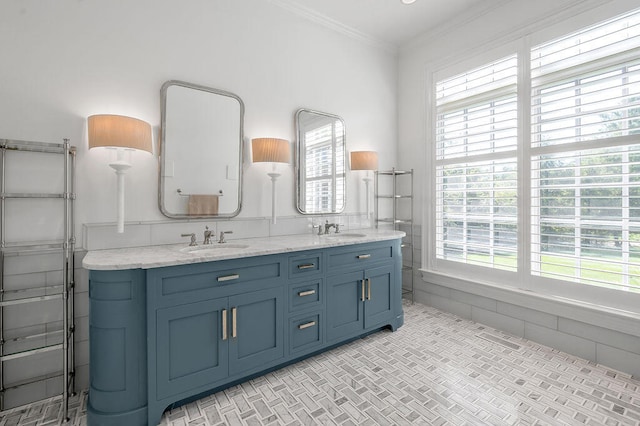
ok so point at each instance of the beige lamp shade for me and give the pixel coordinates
(270, 150)
(364, 160)
(118, 131)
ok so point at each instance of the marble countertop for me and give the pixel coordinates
(182, 254)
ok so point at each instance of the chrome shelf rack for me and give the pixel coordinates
(400, 201)
(31, 291)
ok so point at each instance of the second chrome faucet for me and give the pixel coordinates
(328, 226)
(207, 239)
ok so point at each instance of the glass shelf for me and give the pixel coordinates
(32, 247)
(391, 220)
(30, 295)
(396, 196)
(394, 172)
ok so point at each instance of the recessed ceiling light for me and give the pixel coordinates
(408, 1)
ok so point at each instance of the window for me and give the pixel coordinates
(585, 112)
(581, 159)
(476, 170)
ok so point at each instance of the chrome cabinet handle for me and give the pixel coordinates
(306, 293)
(306, 325)
(229, 277)
(369, 289)
(362, 296)
(363, 256)
(307, 266)
(234, 318)
(224, 324)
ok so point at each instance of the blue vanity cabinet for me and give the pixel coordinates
(211, 323)
(363, 289)
(202, 345)
(256, 338)
(190, 348)
(379, 297)
(359, 300)
(166, 335)
(118, 348)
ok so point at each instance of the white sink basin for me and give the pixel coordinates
(346, 235)
(213, 248)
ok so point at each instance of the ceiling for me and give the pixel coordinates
(388, 22)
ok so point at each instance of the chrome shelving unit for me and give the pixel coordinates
(37, 287)
(399, 201)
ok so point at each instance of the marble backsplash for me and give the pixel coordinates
(96, 236)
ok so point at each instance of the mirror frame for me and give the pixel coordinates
(161, 156)
(298, 169)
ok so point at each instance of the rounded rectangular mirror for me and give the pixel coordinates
(200, 152)
(320, 162)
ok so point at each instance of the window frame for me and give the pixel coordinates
(523, 278)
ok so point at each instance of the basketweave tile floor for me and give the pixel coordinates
(437, 369)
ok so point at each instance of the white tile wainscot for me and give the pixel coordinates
(602, 335)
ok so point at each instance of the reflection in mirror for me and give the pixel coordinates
(200, 152)
(320, 162)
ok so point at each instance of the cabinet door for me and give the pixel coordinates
(190, 348)
(344, 305)
(378, 306)
(259, 329)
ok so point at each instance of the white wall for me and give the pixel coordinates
(65, 60)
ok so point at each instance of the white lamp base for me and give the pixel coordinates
(120, 167)
(274, 177)
(367, 180)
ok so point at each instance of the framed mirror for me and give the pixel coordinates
(200, 152)
(320, 162)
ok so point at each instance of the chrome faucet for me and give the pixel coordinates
(207, 235)
(327, 226)
(222, 240)
(193, 239)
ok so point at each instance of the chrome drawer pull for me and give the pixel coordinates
(362, 298)
(364, 256)
(306, 293)
(369, 289)
(306, 325)
(224, 324)
(229, 277)
(307, 266)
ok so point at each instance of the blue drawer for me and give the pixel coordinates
(183, 284)
(364, 255)
(305, 332)
(306, 265)
(306, 295)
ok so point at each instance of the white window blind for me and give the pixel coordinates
(476, 171)
(325, 171)
(585, 132)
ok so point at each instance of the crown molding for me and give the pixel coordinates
(564, 10)
(470, 15)
(332, 24)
